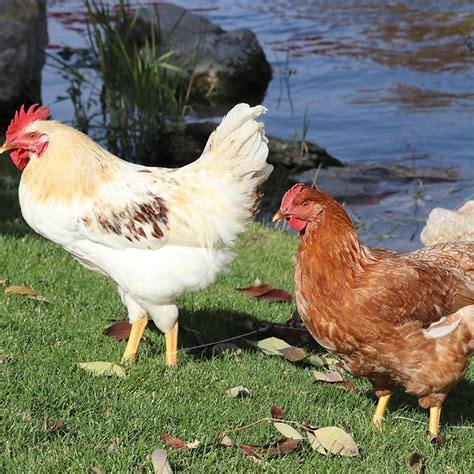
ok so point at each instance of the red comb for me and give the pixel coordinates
(290, 195)
(22, 119)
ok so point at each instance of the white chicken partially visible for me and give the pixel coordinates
(158, 232)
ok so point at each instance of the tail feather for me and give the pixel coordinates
(231, 168)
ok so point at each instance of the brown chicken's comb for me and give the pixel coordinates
(22, 119)
(290, 195)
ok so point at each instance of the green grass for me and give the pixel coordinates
(42, 381)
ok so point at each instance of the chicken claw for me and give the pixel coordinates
(138, 327)
(171, 339)
(378, 417)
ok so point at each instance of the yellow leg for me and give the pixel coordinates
(435, 413)
(171, 339)
(378, 418)
(138, 327)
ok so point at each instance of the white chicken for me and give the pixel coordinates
(157, 232)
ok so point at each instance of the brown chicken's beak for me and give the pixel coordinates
(6, 146)
(278, 215)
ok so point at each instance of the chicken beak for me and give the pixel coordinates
(278, 215)
(6, 146)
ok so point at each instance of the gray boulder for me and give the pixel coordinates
(23, 37)
(227, 66)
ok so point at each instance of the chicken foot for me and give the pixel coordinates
(138, 327)
(378, 417)
(171, 339)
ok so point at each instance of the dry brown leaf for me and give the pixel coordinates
(278, 448)
(3, 282)
(327, 376)
(333, 379)
(173, 442)
(417, 462)
(250, 453)
(119, 329)
(266, 292)
(225, 440)
(95, 470)
(238, 392)
(56, 426)
(277, 412)
(25, 291)
(293, 354)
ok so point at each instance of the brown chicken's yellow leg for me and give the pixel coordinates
(138, 327)
(171, 339)
(378, 418)
(435, 413)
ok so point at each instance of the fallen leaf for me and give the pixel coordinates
(333, 440)
(287, 430)
(119, 329)
(250, 453)
(103, 368)
(112, 446)
(194, 444)
(238, 392)
(255, 291)
(271, 345)
(333, 379)
(277, 412)
(278, 448)
(173, 442)
(417, 462)
(56, 426)
(159, 459)
(95, 470)
(327, 376)
(276, 295)
(3, 282)
(293, 354)
(266, 292)
(225, 348)
(225, 440)
(25, 291)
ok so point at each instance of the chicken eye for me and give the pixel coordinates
(305, 203)
(32, 135)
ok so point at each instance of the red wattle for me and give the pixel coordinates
(297, 224)
(19, 158)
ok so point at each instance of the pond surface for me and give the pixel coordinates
(375, 81)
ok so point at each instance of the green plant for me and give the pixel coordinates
(123, 89)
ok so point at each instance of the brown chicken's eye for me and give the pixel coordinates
(305, 203)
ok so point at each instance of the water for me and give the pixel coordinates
(375, 80)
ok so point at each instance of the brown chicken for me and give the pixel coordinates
(395, 318)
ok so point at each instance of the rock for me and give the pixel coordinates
(184, 143)
(23, 37)
(444, 225)
(366, 184)
(227, 66)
